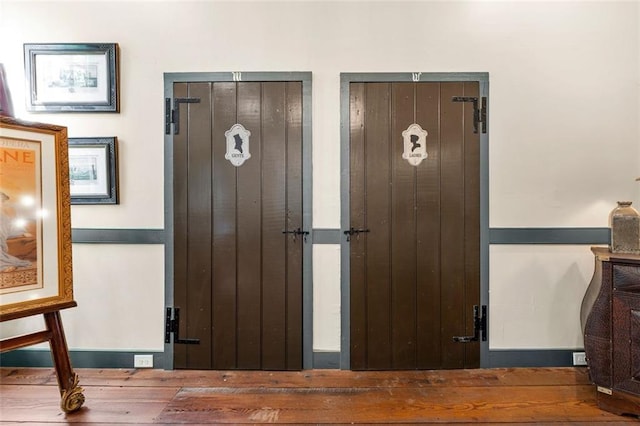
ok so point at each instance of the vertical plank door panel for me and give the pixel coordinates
(414, 285)
(403, 233)
(452, 208)
(293, 355)
(273, 223)
(199, 211)
(180, 225)
(249, 206)
(358, 219)
(238, 278)
(428, 230)
(224, 230)
(471, 224)
(378, 202)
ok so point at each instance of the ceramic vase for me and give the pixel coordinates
(624, 222)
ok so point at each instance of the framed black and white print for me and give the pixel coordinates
(67, 77)
(93, 170)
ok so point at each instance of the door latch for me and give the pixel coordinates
(353, 231)
(297, 232)
(479, 327)
(172, 325)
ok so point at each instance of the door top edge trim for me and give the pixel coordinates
(349, 77)
(178, 77)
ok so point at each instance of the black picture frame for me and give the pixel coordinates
(93, 170)
(71, 77)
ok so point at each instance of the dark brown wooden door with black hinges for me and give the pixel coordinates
(415, 264)
(238, 256)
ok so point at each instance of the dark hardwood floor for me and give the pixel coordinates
(484, 396)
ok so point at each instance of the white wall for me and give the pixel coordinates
(563, 129)
(535, 295)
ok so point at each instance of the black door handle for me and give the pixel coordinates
(354, 231)
(297, 232)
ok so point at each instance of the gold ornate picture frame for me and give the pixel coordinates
(35, 223)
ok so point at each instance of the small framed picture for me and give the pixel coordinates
(93, 170)
(72, 77)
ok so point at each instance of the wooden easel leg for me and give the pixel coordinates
(70, 392)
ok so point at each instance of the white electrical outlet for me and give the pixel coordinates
(143, 361)
(579, 358)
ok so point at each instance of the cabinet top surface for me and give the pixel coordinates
(604, 254)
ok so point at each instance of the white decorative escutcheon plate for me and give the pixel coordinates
(415, 144)
(237, 144)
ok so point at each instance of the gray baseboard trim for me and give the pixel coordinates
(326, 360)
(578, 236)
(497, 358)
(79, 359)
(117, 236)
(532, 358)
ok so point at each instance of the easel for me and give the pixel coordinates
(71, 394)
(56, 291)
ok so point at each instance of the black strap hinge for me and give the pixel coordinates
(479, 114)
(172, 115)
(479, 326)
(172, 325)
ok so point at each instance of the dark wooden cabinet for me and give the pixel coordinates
(610, 318)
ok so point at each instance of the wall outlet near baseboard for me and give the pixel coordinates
(579, 358)
(146, 361)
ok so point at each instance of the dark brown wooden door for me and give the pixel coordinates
(415, 274)
(238, 277)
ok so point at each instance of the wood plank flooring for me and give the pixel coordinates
(483, 396)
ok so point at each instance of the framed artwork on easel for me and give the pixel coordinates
(35, 230)
(35, 241)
